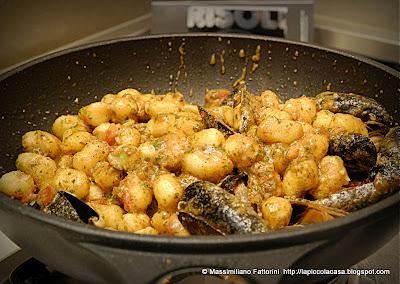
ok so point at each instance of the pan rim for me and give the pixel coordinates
(51, 55)
(206, 244)
(209, 244)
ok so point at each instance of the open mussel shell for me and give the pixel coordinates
(310, 212)
(357, 151)
(305, 203)
(196, 225)
(387, 169)
(352, 199)
(230, 182)
(385, 175)
(210, 121)
(69, 207)
(246, 117)
(232, 100)
(367, 109)
(208, 205)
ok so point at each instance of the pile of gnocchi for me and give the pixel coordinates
(130, 157)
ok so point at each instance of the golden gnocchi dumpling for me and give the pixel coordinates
(308, 129)
(76, 141)
(188, 122)
(167, 191)
(42, 169)
(302, 109)
(277, 153)
(65, 161)
(108, 98)
(127, 136)
(110, 216)
(143, 102)
(243, 150)
(130, 92)
(160, 124)
(135, 194)
(95, 192)
(124, 157)
(348, 123)
(73, 181)
(314, 146)
(277, 211)
(147, 231)
(157, 107)
(168, 223)
(190, 108)
(274, 130)
(270, 99)
(147, 151)
(332, 176)
(90, 155)
(106, 176)
(95, 114)
(300, 177)
(68, 122)
(41, 142)
(122, 108)
(102, 131)
(17, 184)
(170, 150)
(266, 112)
(135, 221)
(339, 122)
(208, 137)
(211, 164)
(324, 120)
(175, 97)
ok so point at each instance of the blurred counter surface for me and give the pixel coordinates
(29, 29)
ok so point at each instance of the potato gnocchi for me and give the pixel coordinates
(130, 156)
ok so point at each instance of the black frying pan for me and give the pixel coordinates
(33, 95)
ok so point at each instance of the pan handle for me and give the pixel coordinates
(160, 267)
(193, 274)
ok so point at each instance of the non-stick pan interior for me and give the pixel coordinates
(35, 94)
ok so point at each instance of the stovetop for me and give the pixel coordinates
(21, 268)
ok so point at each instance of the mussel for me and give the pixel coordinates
(69, 207)
(386, 178)
(246, 116)
(232, 100)
(351, 199)
(357, 151)
(231, 182)
(236, 184)
(386, 173)
(367, 109)
(210, 121)
(208, 209)
(310, 212)
(216, 97)
(241, 100)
